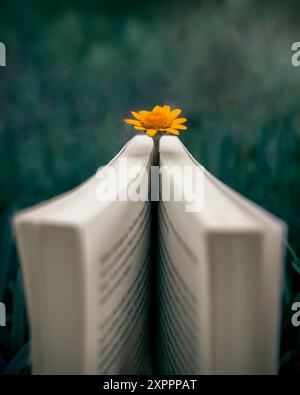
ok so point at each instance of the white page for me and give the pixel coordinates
(88, 271)
(227, 258)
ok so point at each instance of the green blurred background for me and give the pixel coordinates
(75, 69)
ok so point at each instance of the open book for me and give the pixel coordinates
(132, 286)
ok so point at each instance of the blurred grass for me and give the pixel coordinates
(75, 69)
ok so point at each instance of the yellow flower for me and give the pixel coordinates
(160, 119)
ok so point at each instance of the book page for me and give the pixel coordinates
(123, 294)
(88, 283)
(219, 276)
(179, 289)
(118, 287)
(177, 301)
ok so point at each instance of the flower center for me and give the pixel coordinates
(156, 120)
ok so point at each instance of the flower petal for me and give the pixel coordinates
(175, 113)
(137, 115)
(143, 113)
(166, 108)
(172, 131)
(180, 120)
(139, 128)
(151, 132)
(132, 122)
(176, 126)
(156, 108)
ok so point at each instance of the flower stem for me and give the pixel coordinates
(156, 150)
